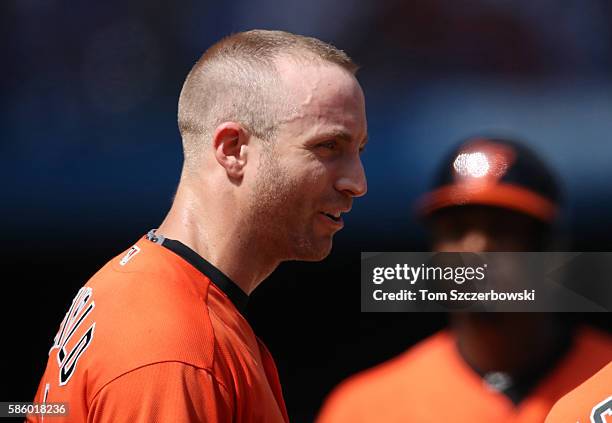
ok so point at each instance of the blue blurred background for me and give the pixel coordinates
(91, 151)
(89, 134)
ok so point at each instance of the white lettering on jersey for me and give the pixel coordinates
(602, 411)
(81, 306)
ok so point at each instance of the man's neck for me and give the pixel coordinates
(514, 343)
(218, 237)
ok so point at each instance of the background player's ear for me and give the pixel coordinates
(230, 142)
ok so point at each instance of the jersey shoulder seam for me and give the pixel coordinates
(204, 369)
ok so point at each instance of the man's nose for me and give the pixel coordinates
(352, 180)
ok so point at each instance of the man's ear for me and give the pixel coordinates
(230, 142)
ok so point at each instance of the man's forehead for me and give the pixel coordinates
(322, 91)
(307, 78)
(344, 126)
(323, 99)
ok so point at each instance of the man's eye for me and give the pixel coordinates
(329, 145)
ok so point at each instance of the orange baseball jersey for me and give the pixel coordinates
(591, 402)
(432, 383)
(158, 335)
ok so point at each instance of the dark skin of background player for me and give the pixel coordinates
(513, 343)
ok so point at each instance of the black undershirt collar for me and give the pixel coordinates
(236, 295)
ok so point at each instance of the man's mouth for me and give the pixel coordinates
(334, 217)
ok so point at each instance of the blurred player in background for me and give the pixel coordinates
(272, 126)
(591, 402)
(490, 195)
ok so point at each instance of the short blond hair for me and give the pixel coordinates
(236, 80)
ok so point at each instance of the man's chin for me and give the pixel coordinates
(315, 251)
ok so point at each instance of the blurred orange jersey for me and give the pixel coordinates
(432, 383)
(591, 402)
(157, 335)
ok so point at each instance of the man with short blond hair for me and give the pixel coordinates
(272, 125)
(238, 79)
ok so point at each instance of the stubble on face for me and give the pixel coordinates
(280, 215)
